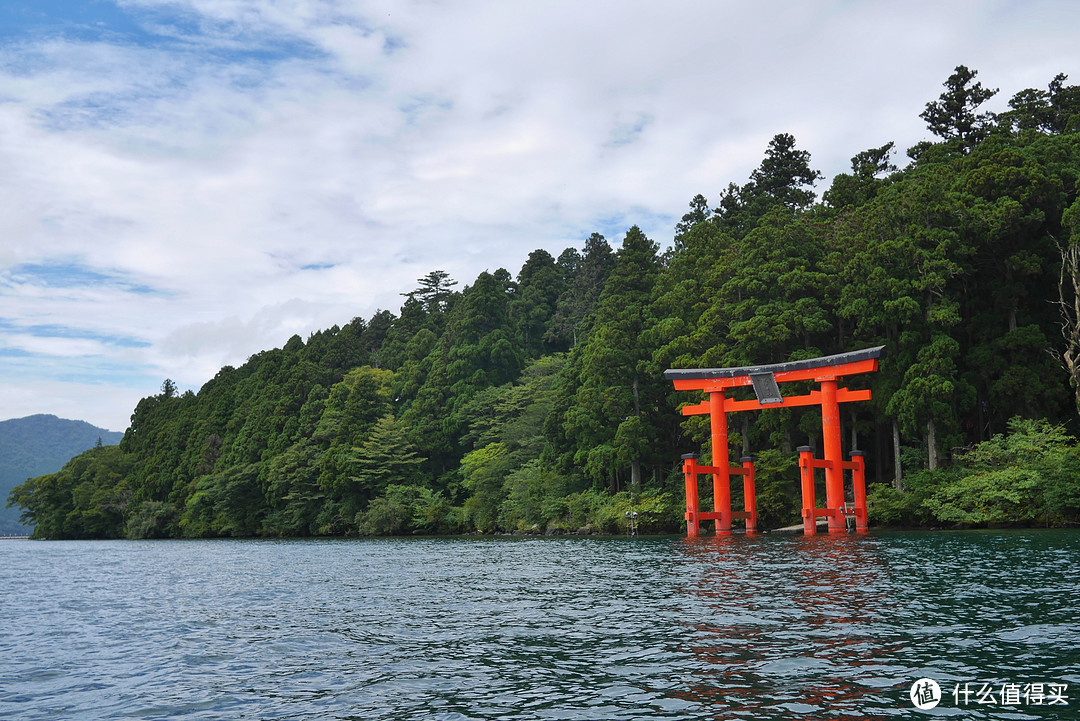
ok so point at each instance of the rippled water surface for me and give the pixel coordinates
(531, 628)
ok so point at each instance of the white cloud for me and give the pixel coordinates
(106, 406)
(278, 167)
(54, 346)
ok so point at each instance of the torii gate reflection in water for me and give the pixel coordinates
(826, 371)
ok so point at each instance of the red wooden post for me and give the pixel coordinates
(858, 485)
(690, 471)
(833, 448)
(809, 501)
(749, 494)
(721, 461)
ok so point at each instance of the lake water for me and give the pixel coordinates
(766, 627)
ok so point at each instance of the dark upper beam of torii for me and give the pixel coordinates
(790, 371)
(765, 379)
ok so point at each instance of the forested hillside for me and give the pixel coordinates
(536, 401)
(40, 444)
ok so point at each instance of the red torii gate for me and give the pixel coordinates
(765, 379)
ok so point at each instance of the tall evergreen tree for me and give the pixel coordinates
(576, 303)
(1055, 110)
(385, 456)
(609, 420)
(539, 285)
(865, 179)
(955, 114)
(435, 290)
(478, 349)
(783, 178)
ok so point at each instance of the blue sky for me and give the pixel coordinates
(187, 183)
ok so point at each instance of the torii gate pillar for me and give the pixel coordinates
(826, 371)
(833, 447)
(721, 476)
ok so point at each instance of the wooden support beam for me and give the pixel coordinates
(843, 395)
(732, 470)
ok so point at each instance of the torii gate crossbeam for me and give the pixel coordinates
(826, 371)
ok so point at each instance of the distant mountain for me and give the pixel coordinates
(36, 445)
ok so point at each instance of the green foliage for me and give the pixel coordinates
(532, 309)
(535, 498)
(599, 512)
(609, 417)
(889, 506)
(229, 503)
(484, 470)
(864, 182)
(153, 519)
(293, 493)
(386, 516)
(385, 457)
(434, 292)
(657, 512)
(478, 349)
(1054, 110)
(955, 116)
(778, 493)
(1030, 474)
(584, 276)
(89, 497)
(404, 509)
(784, 179)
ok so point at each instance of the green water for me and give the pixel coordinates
(530, 628)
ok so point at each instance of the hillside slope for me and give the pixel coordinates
(40, 444)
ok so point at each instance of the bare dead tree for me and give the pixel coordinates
(1069, 307)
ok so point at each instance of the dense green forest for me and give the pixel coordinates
(40, 444)
(536, 402)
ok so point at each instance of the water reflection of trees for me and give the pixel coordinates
(789, 627)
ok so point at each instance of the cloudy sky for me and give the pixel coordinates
(187, 182)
